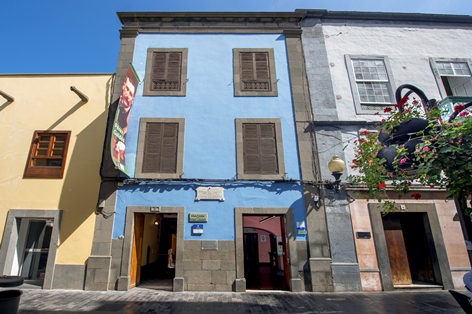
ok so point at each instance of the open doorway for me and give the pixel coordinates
(34, 239)
(410, 248)
(265, 252)
(154, 248)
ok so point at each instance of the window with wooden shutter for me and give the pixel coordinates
(254, 72)
(259, 149)
(166, 72)
(160, 148)
(48, 154)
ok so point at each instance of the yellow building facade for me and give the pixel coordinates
(52, 135)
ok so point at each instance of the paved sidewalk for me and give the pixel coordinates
(140, 300)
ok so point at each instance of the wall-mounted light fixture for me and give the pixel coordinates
(79, 93)
(266, 219)
(336, 166)
(6, 96)
(156, 223)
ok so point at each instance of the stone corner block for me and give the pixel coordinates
(239, 285)
(296, 285)
(178, 284)
(122, 283)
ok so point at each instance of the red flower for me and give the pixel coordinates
(459, 108)
(406, 111)
(431, 186)
(388, 109)
(402, 102)
(354, 160)
(365, 132)
(463, 114)
(416, 196)
(382, 186)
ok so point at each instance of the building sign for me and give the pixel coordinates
(198, 217)
(210, 193)
(120, 124)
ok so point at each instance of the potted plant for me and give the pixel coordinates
(414, 146)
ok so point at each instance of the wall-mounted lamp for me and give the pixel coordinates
(266, 219)
(336, 166)
(79, 93)
(6, 96)
(156, 223)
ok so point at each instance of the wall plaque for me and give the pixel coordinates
(363, 235)
(210, 193)
(198, 217)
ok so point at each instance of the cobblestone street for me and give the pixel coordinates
(139, 300)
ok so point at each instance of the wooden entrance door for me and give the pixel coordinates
(137, 249)
(396, 248)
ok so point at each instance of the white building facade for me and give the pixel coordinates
(355, 61)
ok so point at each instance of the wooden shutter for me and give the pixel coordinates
(160, 148)
(255, 71)
(166, 71)
(259, 148)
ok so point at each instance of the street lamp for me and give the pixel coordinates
(336, 166)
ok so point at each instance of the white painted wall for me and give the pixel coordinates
(408, 49)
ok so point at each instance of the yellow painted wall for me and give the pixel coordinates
(45, 102)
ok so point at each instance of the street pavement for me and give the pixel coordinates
(142, 300)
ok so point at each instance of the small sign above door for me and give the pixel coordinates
(198, 217)
(210, 193)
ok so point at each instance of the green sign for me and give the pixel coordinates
(198, 217)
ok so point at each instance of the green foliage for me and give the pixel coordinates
(443, 158)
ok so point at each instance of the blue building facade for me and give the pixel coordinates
(218, 147)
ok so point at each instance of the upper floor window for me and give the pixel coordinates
(453, 76)
(166, 72)
(259, 149)
(48, 154)
(370, 79)
(254, 72)
(160, 148)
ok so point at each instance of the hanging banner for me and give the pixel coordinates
(120, 125)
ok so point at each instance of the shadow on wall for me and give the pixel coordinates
(80, 190)
(161, 187)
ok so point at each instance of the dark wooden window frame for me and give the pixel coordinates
(141, 149)
(149, 66)
(240, 150)
(47, 171)
(238, 85)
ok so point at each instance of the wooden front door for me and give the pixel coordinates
(396, 248)
(137, 249)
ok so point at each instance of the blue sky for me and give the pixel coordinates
(81, 36)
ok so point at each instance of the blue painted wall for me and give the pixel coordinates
(210, 109)
(220, 225)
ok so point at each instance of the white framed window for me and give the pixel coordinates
(371, 83)
(453, 76)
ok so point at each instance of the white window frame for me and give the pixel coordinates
(369, 107)
(434, 61)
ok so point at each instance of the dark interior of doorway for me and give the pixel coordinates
(160, 274)
(410, 245)
(260, 275)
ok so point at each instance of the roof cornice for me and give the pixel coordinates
(387, 17)
(227, 20)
